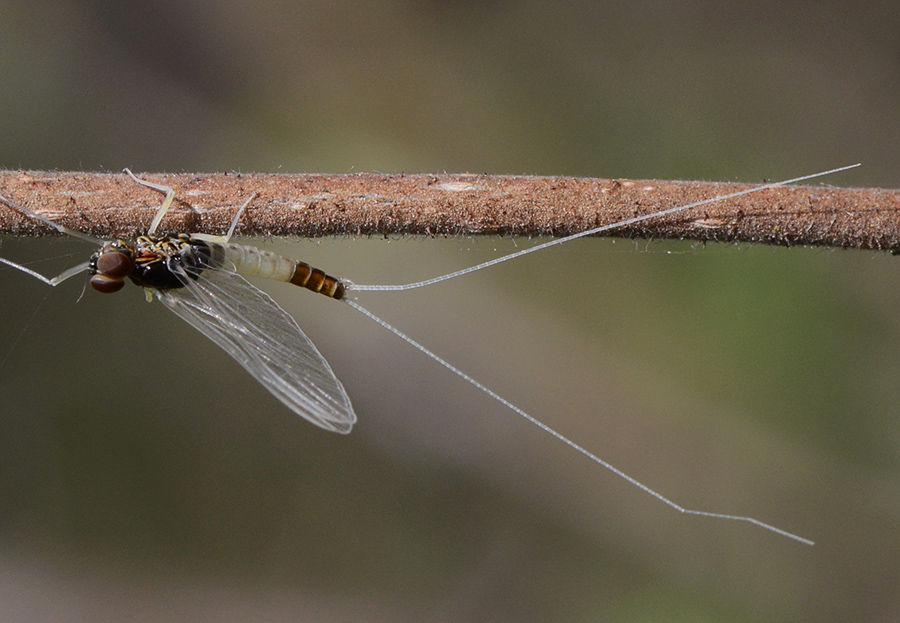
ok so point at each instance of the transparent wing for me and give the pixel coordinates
(263, 338)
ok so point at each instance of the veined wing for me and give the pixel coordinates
(263, 338)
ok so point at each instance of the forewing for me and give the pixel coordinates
(263, 338)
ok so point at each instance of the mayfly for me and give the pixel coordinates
(201, 278)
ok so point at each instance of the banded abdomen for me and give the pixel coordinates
(253, 262)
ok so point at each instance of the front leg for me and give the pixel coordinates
(50, 281)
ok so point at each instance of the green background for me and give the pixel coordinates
(144, 476)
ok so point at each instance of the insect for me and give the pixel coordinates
(201, 278)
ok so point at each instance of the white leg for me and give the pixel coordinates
(69, 272)
(50, 281)
(60, 228)
(234, 222)
(167, 203)
(163, 208)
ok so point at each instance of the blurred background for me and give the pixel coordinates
(145, 476)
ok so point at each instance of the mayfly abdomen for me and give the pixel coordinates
(253, 262)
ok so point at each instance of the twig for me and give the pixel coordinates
(111, 205)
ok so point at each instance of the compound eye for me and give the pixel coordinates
(115, 265)
(111, 268)
(106, 284)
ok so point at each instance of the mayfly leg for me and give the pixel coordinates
(69, 272)
(163, 208)
(167, 203)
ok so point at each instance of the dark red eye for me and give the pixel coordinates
(107, 285)
(114, 264)
(111, 268)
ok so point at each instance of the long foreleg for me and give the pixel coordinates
(50, 281)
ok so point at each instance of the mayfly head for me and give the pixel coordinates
(109, 266)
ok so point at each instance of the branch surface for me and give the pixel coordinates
(111, 205)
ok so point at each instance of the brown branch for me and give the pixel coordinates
(112, 205)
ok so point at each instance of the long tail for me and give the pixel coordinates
(590, 232)
(596, 459)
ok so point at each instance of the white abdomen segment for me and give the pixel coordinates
(253, 262)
